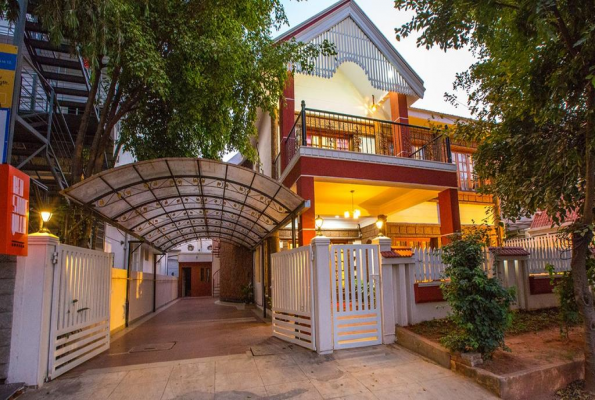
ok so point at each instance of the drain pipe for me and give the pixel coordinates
(127, 308)
(264, 297)
(154, 282)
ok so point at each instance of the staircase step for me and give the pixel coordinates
(71, 92)
(59, 62)
(45, 45)
(72, 104)
(64, 77)
(34, 27)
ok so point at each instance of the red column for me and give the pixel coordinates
(450, 217)
(287, 115)
(307, 227)
(399, 113)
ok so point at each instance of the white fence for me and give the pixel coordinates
(292, 290)
(429, 266)
(544, 250)
(80, 314)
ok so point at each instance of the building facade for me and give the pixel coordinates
(348, 138)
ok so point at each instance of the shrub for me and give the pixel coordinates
(248, 293)
(568, 313)
(480, 305)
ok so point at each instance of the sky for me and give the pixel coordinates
(436, 67)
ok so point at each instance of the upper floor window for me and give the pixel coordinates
(465, 171)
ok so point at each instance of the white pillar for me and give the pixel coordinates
(388, 291)
(32, 307)
(323, 318)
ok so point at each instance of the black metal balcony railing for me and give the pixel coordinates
(336, 131)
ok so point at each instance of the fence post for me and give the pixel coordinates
(323, 318)
(29, 353)
(388, 292)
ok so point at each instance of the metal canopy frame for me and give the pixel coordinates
(169, 201)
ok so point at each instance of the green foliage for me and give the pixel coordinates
(222, 66)
(564, 289)
(531, 91)
(480, 305)
(185, 77)
(248, 293)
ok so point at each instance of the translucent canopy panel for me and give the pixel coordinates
(170, 201)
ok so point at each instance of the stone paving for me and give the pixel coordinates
(272, 370)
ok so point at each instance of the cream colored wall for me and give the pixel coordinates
(264, 144)
(423, 213)
(141, 295)
(475, 213)
(337, 94)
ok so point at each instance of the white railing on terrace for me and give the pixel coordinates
(548, 249)
(430, 268)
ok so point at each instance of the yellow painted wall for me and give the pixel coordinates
(423, 213)
(118, 299)
(471, 213)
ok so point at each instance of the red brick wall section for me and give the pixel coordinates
(236, 271)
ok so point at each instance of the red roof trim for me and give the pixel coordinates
(309, 22)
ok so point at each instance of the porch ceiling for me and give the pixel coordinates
(170, 201)
(333, 198)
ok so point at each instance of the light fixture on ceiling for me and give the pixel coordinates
(354, 212)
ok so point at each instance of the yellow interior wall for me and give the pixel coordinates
(423, 213)
(475, 213)
(118, 299)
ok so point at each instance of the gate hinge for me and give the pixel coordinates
(55, 257)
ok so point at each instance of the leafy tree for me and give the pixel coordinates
(532, 92)
(190, 74)
(480, 305)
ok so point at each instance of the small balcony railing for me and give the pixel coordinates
(336, 131)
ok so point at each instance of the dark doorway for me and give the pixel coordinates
(196, 279)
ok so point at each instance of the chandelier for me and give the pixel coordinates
(354, 212)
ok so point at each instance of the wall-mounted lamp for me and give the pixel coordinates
(318, 223)
(45, 216)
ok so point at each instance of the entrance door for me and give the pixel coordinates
(196, 279)
(356, 297)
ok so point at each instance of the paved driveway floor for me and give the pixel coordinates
(189, 328)
(273, 370)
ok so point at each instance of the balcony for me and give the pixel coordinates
(336, 132)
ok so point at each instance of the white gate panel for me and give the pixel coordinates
(292, 296)
(80, 315)
(356, 297)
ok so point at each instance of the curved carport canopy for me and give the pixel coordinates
(169, 201)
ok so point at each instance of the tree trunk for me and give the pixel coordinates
(77, 159)
(102, 119)
(581, 239)
(110, 123)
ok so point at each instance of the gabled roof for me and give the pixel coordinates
(357, 39)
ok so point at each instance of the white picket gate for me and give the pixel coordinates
(355, 294)
(80, 314)
(293, 296)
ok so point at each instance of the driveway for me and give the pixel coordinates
(273, 370)
(189, 328)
